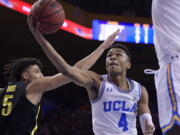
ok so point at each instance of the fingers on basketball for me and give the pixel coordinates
(49, 13)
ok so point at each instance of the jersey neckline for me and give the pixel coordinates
(130, 84)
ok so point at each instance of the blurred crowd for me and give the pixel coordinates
(66, 122)
(55, 120)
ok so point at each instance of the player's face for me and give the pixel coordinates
(31, 73)
(117, 61)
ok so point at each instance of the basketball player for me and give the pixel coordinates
(166, 21)
(115, 98)
(20, 101)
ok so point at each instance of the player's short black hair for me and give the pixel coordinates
(123, 47)
(14, 70)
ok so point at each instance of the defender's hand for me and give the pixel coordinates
(110, 40)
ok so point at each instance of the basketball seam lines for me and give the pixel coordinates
(50, 23)
(44, 8)
(44, 28)
(51, 14)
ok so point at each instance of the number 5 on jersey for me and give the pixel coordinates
(7, 102)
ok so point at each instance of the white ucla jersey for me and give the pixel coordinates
(166, 23)
(114, 111)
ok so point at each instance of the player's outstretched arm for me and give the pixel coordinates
(76, 75)
(146, 122)
(85, 63)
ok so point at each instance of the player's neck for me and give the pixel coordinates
(119, 80)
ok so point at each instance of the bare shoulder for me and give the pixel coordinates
(144, 93)
(39, 84)
(143, 89)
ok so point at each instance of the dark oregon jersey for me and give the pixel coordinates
(18, 116)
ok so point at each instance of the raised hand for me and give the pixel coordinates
(110, 40)
(33, 25)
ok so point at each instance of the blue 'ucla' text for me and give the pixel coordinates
(119, 106)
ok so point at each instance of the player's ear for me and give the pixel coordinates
(129, 65)
(25, 76)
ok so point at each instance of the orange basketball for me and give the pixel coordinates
(49, 13)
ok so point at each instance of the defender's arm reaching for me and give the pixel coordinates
(57, 60)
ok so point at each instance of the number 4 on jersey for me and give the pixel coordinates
(123, 122)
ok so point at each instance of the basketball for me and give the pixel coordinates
(49, 13)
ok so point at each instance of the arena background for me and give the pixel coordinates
(66, 110)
